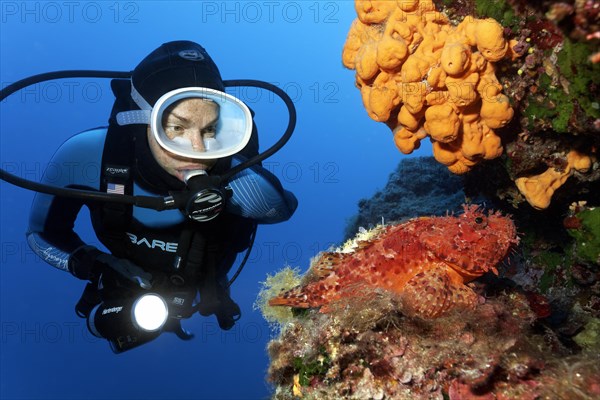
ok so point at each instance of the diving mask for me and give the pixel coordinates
(232, 131)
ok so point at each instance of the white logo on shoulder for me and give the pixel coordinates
(193, 55)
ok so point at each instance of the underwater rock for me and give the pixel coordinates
(535, 336)
(369, 349)
(418, 186)
(517, 344)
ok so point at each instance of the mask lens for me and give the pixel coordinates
(212, 144)
(201, 123)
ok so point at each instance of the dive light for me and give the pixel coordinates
(126, 323)
(150, 312)
(130, 317)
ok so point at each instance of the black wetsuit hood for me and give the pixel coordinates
(171, 66)
(175, 65)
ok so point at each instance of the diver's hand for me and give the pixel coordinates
(126, 269)
(87, 263)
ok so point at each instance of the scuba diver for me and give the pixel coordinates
(174, 134)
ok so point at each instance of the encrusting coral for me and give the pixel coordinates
(424, 77)
(369, 351)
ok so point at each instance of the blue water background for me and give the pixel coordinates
(336, 157)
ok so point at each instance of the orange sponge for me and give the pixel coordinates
(424, 77)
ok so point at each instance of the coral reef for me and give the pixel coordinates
(370, 347)
(534, 337)
(424, 262)
(388, 356)
(425, 77)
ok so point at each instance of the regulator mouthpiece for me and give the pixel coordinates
(206, 200)
(192, 173)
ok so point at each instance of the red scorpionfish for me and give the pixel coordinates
(425, 261)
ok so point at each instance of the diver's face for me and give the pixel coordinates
(191, 119)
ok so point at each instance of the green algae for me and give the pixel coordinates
(564, 99)
(589, 337)
(587, 237)
(554, 105)
(551, 261)
(499, 10)
(307, 370)
(574, 64)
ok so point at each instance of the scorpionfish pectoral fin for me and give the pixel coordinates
(433, 293)
(321, 284)
(325, 265)
(294, 297)
(318, 293)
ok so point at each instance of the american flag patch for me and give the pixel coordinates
(115, 188)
